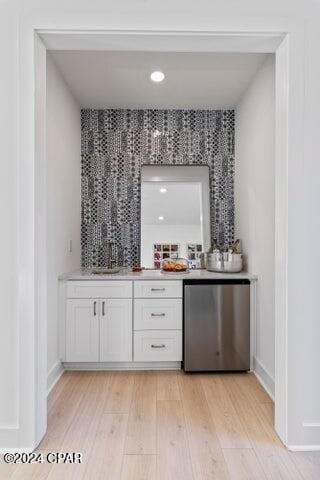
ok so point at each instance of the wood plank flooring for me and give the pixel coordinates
(164, 426)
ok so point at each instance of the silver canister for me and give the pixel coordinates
(214, 262)
(224, 262)
(232, 262)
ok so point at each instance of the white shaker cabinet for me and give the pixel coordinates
(82, 330)
(116, 330)
(103, 323)
(157, 321)
(98, 322)
(133, 322)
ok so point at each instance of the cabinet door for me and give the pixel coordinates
(82, 332)
(116, 330)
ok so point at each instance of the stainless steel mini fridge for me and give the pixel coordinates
(216, 325)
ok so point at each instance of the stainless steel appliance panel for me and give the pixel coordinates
(217, 325)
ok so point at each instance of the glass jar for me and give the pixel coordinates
(175, 265)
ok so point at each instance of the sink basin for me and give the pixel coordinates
(105, 271)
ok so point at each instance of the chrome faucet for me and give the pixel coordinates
(110, 254)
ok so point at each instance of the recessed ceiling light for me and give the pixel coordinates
(163, 190)
(161, 218)
(157, 76)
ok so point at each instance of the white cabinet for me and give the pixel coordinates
(99, 289)
(158, 314)
(82, 330)
(158, 346)
(116, 330)
(103, 324)
(157, 321)
(158, 289)
(99, 330)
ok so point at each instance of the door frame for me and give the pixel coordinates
(35, 38)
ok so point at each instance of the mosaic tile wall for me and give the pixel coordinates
(114, 146)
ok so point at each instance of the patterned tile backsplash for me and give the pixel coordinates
(115, 144)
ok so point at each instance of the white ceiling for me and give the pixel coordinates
(106, 79)
(180, 205)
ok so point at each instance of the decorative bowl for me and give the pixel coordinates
(105, 271)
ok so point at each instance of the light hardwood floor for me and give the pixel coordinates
(164, 426)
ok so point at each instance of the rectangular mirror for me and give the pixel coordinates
(175, 214)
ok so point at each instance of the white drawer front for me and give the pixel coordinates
(158, 314)
(158, 289)
(158, 345)
(99, 289)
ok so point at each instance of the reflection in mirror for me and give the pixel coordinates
(174, 214)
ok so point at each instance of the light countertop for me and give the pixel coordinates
(126, 274)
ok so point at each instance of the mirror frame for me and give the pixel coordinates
(183, 174)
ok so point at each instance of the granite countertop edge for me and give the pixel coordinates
(84, 274)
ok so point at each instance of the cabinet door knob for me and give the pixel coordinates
(158, 346)
(94, 308)
(103, 308)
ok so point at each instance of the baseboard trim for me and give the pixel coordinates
(17, 450)
(304, 448)
(122, 366)
(10, 441)
(53, 376)
(263, 377)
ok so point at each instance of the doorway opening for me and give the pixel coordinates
(53, 51)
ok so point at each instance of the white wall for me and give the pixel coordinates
(255, 205)
(181, 234)
(63, 197)
(299, 295)
(307, 332)
(9, 280)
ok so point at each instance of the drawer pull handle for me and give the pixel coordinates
(158, 346)
(158, 289)
(94, 308)
(158, 314)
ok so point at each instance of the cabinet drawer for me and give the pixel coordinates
(158, 314)
(99, 289)
(158, 345)
(158, 289)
